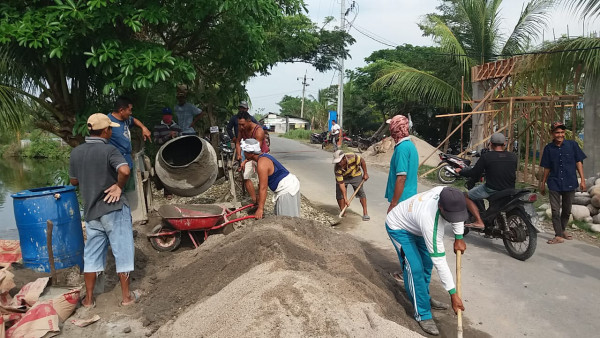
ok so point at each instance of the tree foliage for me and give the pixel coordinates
(74, 56)
(468, 34)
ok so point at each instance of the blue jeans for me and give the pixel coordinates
(416, 267)
(114, 228)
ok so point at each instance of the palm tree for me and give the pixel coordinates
(470, 37)
(587, 8)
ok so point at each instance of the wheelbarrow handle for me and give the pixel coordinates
(238, 210)
(232, 221)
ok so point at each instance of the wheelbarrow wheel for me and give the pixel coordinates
(165, 243)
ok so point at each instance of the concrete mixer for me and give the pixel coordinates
(187, 165)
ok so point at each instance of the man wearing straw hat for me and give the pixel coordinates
(348, 171)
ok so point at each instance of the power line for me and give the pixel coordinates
(474, 55)
(284, 93)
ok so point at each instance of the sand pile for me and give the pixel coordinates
(381, 152)
(277, 277)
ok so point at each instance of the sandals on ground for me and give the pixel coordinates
(136, 295)
(556, 240)
(567, 236)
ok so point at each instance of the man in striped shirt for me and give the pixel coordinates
(347, 170)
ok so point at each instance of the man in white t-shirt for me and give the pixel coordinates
(417, 225)
(334, 134)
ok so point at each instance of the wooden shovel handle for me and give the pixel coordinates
(459, 330)
(352, 197)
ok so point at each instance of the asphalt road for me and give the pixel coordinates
(556, 293)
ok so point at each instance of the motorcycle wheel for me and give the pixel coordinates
(363, 146)
(444, 176)
(521, 240)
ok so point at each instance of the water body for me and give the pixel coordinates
(21, 174)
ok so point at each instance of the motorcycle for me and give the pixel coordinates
(512, 217)
(345, 140)
(446, 173)
(365, 142)
(318, 138)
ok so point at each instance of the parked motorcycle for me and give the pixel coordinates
(318, 138)
(365, 142)
(512, 217)
(446, 174)
(345, 140)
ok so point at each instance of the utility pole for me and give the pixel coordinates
(304, 84)
(340, 105)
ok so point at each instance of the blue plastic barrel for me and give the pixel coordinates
(33, 208)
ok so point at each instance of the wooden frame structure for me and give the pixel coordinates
(522, 112)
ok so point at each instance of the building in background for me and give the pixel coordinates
(282, 124)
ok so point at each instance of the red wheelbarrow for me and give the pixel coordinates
(190, 218)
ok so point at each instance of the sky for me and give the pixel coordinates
(391, 21)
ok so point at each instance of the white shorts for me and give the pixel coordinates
(250, 170)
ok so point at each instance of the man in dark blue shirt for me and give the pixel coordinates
(560, 160)
(232, 126)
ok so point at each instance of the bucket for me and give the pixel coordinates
(33, 208)
(187, 165)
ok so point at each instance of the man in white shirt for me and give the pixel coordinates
(335, 134)
(417, 225)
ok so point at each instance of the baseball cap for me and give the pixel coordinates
(498, 138)
(100, 121)
(557, 125)
(243, 104)
(167, 111)
(454, 206)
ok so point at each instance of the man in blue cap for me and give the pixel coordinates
(163, 132)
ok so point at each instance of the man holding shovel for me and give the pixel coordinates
(417, 224)
(348, 171)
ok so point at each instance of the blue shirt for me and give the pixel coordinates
(279, 172)
(185, 117)
(405, 161)
(561, 162)
(121, 137)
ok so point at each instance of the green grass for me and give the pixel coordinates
(297, 134)
(584, 226)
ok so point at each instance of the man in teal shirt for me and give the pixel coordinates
(402, 178)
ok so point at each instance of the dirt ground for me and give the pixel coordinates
(279, 276)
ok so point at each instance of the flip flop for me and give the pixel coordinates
(567, 236)
(366, 217)
(136, 295)
(473, 226)
(397, 276)
(556, 240)
(88, 307)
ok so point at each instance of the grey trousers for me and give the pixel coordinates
(288, 205)
(560, 218)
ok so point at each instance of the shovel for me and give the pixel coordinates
(459, 331)
(351, 198)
